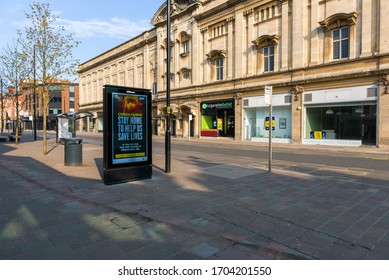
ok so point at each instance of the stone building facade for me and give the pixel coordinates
(327, 62)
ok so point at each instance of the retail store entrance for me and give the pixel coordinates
(218, 118)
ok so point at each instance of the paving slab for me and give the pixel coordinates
(205, 209)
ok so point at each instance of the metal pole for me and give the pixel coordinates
(168, 56)
(189, 119)
(34, 95)
(270, 135)
(2, 107)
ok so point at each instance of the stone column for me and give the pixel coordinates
(206, 71)
(383, 26)
(230, 48)
(314, 32)
(297, 113)
(367, 35)
(240, 39)
(285, 35)
(298, 39)
(238, 116)
(249, 46)
(383, 109)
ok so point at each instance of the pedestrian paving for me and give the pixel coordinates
(204, 209)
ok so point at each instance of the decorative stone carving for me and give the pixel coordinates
(215, 54)
(339, 20)
(266, 40)
(297, 91)
(384, 80)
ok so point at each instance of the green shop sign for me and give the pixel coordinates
(228, 104)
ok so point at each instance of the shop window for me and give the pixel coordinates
(340, 43)
(217, 118)
(343, 122)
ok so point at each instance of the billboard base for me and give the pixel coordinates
(127, 174)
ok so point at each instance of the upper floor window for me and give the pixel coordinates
(339, 32)
(164, 47)
(267, 49)
(184, 39)
(268, 57)
(184, 73)
(185, 46)
(340, 42)
(217, 63)
(219, 69)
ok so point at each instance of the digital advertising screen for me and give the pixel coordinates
(129, 128)
(127, 134)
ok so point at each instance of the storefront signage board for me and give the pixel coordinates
(127, 134)
(268, 94)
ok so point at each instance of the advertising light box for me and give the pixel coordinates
(127, 134)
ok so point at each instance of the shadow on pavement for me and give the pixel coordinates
(205, 209)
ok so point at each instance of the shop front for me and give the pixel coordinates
(346, 116)
(256, 119)
(218, 118)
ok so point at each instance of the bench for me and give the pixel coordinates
(3, 138)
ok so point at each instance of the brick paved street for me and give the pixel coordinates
(204, 209)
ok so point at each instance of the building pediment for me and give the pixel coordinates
(266, 40)
(215, 54)
(177, 7)
(339, 20)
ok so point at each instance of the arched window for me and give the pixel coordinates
(184, 41)
(266, 45)
(217, 58)
(338, 28)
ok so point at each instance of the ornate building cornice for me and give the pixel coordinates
(339, 20)
(266, 40)
(219, 9)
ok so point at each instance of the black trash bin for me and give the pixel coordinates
(73, 151)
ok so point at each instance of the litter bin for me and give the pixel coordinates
(73, 151)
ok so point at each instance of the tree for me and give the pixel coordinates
(50, 48)
(14, 70)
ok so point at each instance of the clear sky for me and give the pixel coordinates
(99, 24)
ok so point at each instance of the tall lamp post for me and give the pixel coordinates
(168, 56)
(34, 95)
(2, 106)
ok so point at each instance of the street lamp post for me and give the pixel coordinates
(34, 95)
(2, 106)
(168, 56)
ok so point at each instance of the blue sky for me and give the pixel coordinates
(100, 24)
